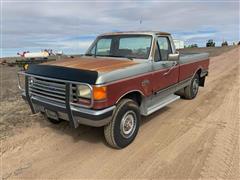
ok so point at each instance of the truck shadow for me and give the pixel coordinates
(82, 133)
(86, 133)
(147, 119)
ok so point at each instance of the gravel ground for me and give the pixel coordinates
(187, 139)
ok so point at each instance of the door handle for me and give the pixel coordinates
(166, 73)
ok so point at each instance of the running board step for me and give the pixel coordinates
(163, 102)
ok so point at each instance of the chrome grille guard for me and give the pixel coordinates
(60, 91)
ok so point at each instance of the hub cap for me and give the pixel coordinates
(128, 124)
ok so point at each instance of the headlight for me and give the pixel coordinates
(21, 81)
(83, 91)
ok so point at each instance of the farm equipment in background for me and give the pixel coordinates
(194, 46)
(24, 63)
(36, 58)
(210, 43)
(224, 43)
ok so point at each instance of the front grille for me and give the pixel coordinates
(49, 89)
(54, 90)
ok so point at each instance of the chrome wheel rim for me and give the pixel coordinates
(195, 86)
(128, 124)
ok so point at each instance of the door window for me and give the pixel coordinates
(164, 47)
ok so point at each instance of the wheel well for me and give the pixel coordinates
(135, 96)
(201, 79)
(199, 72)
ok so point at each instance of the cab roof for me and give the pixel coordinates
(136, 32)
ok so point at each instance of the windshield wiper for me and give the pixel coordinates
(88, 54)
(130, 58)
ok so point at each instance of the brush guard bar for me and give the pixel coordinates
(68, 95)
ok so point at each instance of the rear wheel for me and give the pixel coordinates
(191, 90)
(123, 128)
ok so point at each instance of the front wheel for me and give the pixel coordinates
(123, 128)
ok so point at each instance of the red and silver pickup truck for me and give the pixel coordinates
(122, 76)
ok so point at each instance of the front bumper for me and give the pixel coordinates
(78, 115)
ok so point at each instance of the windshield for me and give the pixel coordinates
(128, 46)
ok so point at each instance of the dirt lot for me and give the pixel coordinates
(187, 139)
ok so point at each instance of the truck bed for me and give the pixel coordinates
(192, 57)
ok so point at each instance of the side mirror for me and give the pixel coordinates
(173, 57)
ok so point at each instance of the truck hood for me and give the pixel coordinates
(83, 69)
(93, 64)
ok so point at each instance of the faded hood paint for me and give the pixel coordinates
(93, 64)
(84, 69)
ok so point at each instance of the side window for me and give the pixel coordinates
(164, 47)
(103, 47)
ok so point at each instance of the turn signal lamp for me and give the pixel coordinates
(99, 93)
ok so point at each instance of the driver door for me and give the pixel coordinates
(165, 72)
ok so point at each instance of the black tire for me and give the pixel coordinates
(126, 115)
(191, 91)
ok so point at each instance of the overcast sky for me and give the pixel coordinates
(72, 25)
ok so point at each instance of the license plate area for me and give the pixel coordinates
(51, 114)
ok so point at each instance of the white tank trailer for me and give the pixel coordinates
(42, 54)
